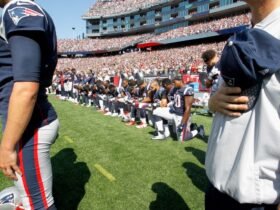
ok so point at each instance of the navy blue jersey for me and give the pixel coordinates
(27, 17)
(113, 92)
(101, 89)
(126, 91)
(179, 99)
(142, 92)
(171, 93)
(159, 95)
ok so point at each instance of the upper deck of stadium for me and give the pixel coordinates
(129, 17)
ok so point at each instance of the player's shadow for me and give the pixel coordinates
(199, 154)
(197, 175)
(194, 172)
(70, 178)
(167, 198)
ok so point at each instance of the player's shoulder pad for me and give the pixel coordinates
(188, 91)
(23, 15)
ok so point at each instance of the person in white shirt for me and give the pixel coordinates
(243, 155)
(211, 58)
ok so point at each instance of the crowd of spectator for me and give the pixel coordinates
(74, 45)
(111, 7)
(206, 26)
(148, 62)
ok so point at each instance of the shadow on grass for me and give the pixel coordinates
(70, 178)
(199, 154)
(167, 198)
(197, 175)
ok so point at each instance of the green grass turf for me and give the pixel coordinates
(153, 175)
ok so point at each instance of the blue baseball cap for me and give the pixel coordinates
(248, 57)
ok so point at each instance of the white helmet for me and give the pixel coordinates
(10, 199)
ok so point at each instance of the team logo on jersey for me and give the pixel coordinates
(19, 13)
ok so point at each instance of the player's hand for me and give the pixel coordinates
(180, 128)
(278, 207)
(8, 163)
(228, 101)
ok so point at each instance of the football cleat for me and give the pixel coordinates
(193, 126)
(201, 131)
(115, 114)
(159, 137)
(131, 123)
(142, 125)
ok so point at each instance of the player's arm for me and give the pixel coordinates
(26, 57)
(148, 99)
(164, 100)
(227, 100)
(188, 106)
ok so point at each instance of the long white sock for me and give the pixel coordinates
(159, 125)
(166, 130)
(101, 103)
(121, 111)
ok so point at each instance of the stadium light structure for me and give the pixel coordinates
(73, 35)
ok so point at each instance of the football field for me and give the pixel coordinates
(101, 164)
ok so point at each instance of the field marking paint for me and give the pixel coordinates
(67, 138)
(104, 172)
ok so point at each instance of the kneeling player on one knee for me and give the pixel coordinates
(181, 109)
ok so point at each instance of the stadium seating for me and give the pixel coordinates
(103, 8)
(206, 26)
(73, 45)
(151, 62)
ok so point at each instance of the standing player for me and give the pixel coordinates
(243, 159)
(28, 57)
(210, 58)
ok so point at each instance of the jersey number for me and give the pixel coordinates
(177, 101)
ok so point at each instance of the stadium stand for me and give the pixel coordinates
(111, 7)
(206, 26)
(149, 62)
(116, 43)
(113, 43)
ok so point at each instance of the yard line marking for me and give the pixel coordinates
(67, 138)
(105, 173)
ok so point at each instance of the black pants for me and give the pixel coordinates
(215, 200)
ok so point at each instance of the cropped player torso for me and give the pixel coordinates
(27, 17)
